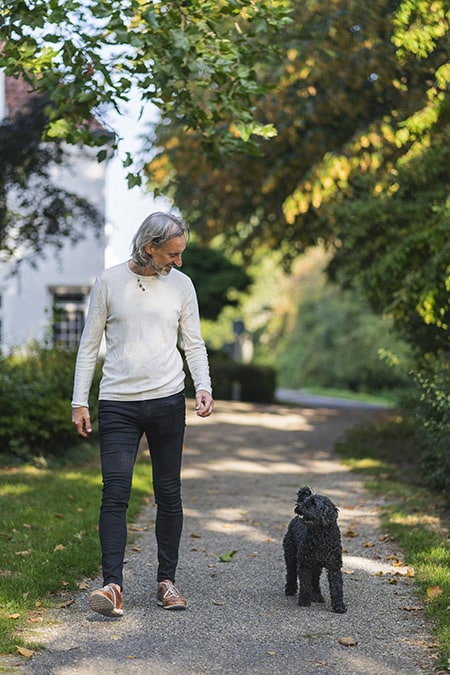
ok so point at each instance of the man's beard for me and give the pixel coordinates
(162, 270)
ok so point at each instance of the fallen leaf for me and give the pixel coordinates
(271, 653)
(348, 641)
(25, 652)
(59, 515)
(138, 549)
(13, 616)
(26, 525)
(22, 552)
(59, 547)
(195, 535)
(345, 571)
(368, 544)
(35, 619)
(67, 603)
(227, 557)
(218, 602)
(84, 586)
(351, 533)
(412, 608)
(434, 591)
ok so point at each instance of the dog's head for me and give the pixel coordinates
(315, 510)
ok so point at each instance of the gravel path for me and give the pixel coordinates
(242, 468)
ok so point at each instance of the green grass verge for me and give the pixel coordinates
(377, 399)
(386, 452)
(49, 539)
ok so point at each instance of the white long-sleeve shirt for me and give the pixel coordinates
(141, 328)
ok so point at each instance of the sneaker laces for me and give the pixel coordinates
(171, 590)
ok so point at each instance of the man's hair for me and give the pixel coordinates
(157, 229)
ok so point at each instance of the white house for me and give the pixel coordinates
(29, 298)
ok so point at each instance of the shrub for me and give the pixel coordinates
(238, 381)
(35, 390)
(433, 420)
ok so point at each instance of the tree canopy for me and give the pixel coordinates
(360, 161)
(194, 59)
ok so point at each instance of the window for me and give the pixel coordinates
(68, 316)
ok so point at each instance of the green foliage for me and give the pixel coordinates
(386, 450)
(433, 420)
(238, 381)
(194, 60)
(36, 390)
(360, 161)
(34, 212)
(336, 343)
(215, 277)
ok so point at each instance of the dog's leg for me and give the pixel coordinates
(336, 584)
(290, 557)
(305, 591)
(315, 581)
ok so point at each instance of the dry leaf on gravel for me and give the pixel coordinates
(348, 641)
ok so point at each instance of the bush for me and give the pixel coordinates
(433, 421)
(238, 381)
(36, 390)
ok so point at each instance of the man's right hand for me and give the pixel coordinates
(82, 421)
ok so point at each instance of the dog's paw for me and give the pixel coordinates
(318, 597)
(290, 590)
(339, 609)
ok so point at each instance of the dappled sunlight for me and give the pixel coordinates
(376, 567)
(15, 490)
(235, 465)
(270, 417)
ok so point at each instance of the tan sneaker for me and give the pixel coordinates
(169, 597)
(107, 600)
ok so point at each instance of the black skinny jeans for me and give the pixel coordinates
(121, 426)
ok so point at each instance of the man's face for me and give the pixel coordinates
(166, 256)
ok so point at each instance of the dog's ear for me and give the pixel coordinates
(303, 493)
(330, 513)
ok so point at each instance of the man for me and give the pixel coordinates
(142, 306)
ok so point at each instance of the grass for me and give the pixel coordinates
(388, 400)
(386, 452)
(49, 539)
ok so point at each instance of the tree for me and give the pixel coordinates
(34, 211)
(193, 58)
(360, 160)
(216, 279)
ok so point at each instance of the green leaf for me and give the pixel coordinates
(227, 557)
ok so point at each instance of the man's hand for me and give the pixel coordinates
(204, 403)
(82, 421)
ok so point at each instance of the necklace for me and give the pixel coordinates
(141, 285)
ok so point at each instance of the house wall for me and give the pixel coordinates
(26, 298)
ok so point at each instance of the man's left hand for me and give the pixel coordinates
(204, 403)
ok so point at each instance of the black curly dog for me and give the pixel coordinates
(313, 542)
